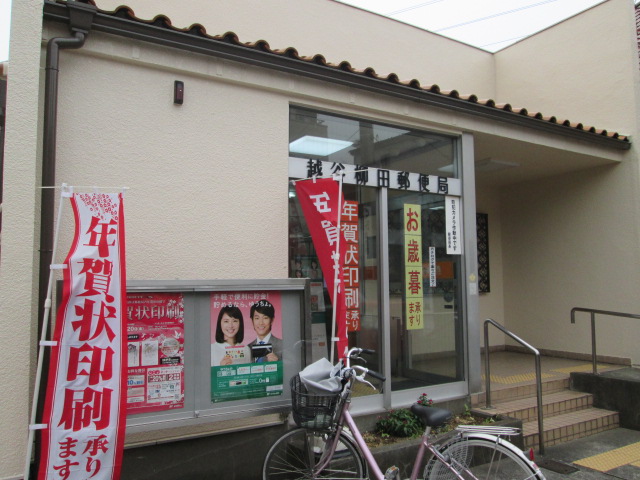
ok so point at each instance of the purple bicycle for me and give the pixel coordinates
(328, 444)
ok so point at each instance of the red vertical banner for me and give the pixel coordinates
(84, 410)
(321, 201)
(351, 268)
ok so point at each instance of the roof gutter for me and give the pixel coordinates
(157, 32)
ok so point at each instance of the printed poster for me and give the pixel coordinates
(453, 216)
(246, 345)
(317, 296)
(155, 352)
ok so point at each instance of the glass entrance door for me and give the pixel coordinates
(429, 352)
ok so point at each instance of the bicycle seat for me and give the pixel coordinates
(431, 416)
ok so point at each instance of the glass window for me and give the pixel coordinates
(321, 136)
(433, 353)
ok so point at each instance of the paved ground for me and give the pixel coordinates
(614, 454)
(609, 455)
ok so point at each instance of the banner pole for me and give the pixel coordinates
(336, 267)
(66, 192)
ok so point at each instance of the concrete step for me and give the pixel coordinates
(526, 409)
(504, 393)
(569, 426)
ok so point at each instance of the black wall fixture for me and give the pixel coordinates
(178, 92)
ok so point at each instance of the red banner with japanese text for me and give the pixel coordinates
(84, 410)
(321, 201)
(351, 266)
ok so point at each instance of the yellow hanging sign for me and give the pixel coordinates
(413, 267)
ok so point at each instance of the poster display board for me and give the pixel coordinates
(155, 352)
(246, 345)
(180, 375)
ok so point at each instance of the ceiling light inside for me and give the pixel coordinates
(317, 146)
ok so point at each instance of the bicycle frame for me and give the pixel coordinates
(374, 470)
(344, 418)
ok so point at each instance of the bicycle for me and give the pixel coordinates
(328, 444)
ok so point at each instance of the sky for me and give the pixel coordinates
(487, 24)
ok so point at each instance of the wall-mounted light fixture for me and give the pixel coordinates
(178, 92)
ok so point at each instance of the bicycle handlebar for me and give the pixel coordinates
(353, 354)
(376, 375)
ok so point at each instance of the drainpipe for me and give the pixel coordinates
(80, 20)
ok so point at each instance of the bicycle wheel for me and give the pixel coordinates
(296, 453)
(480, 456)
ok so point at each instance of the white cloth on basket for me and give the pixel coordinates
(320, 377)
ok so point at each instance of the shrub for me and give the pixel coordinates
(400, 423)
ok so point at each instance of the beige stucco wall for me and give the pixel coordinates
(204, 200)
(339, 32)
(584, 69)
(20, 225)
(572, 240)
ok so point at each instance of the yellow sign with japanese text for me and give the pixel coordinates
(413, 267)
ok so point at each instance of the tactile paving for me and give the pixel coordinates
(519, 378)
(604, 462)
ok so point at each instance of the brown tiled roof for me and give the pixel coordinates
(163, 22)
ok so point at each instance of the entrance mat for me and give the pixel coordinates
(556, 466)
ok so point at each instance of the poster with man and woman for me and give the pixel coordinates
(246, 345)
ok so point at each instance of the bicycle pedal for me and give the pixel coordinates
(391, 473)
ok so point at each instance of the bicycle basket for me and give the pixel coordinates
(312, 410)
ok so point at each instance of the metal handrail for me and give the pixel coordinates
(593, 313)
(538, 373)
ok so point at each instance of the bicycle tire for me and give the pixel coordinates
(295, 455)
(485, 456)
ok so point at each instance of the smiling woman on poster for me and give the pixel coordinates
(228, 349)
